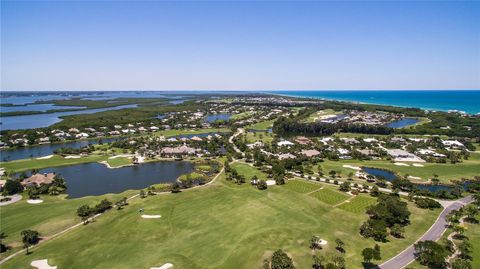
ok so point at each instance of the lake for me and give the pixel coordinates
(45, 120)
(36, 107)
(403, 123)
(380, 173)
(46, 149)
(214, 117)
(96, 179)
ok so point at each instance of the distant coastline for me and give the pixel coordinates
(433, 100)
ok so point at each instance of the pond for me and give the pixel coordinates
(45, 120)
(96, 179)
(215, 117)
(380, 173)
(405, 122)
(46, 149)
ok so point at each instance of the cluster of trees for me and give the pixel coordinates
(85, 212)
(293, 126)
(389, 213)
(74, 151)
(424, 202)
(14, 186)
(371, 254)
(279, 260)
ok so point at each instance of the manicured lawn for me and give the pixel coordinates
(473, 233)
(29, 164)
(264, 137)
(263, 125)
(119, 161)
(329, 196)
(302, 186)
(217, 226)
(358, 204)
(248, 171)
(242, 115)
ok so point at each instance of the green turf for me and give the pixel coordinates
(263, 125)
(215, 226)
(302, 186)
(358, 204)
(329, 196)
(248, 171)
(264, 137)
(29, 164)
(119, 161)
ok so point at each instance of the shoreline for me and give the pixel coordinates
(430, 109)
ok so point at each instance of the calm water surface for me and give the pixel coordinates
(96, 179)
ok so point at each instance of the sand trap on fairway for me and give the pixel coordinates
(412, 177)
(73, 157)
(151, 216)
(270, 182)
(165, 266)
(322, 242)
(401, 164)
(352, 167)
(34, 201)
(42, 264)
(418, 165)
(45, 157)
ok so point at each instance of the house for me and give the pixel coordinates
(285, 143)
(81, 135)
(302, 140)
(370, 140)
(310, 152)
(430, 153)
(196, 138)
(38, 179)
(349, 140)
(44, 140)
(286, 156)
(254, 145)
(452, 143)
(154, 128)
(403, 155)
(178, 151)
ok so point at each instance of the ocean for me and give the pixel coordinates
(443, 100)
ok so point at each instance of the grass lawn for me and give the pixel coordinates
(263, 125)
(358, 204)
(330, 196)
(119, 161)
(473, 233)
(447, 172)
(302, 186)
(29, 164)
(315, 116)
(222, 225)
(264, 137)
(248, 171)
(242, 115)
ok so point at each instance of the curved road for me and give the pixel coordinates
(434, 233)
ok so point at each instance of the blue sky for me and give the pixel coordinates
(92, 45)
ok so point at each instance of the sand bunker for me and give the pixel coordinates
(42, 264)
(73, 157)
(45, 157)
(401, 164)
(165, 266)
(412, 177)
(352, 167)
(151, 216)
(270, 182)
(322, 242)
(34, 201)
(418, 165)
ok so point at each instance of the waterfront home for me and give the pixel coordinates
(403, 155)
(310, 152)
(285, 143)
(302, 140)
(452, 143)
(44, 140)
(178, 151)
(196, 138)
(38, 179)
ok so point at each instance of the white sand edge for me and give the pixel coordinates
(322, 242)
(352, 167)
(34, 201)
(418, 165)
(45, 157)
(151, 216)
(401, 164)
(42, 264)
(73, 157)
(165, 266)
(270, 182)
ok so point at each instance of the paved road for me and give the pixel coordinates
(434, 233)
(13, 199)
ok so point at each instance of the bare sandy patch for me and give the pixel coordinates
(401, 164)
(73, 157)
(165, 266)
(42, 264)
(34, 201)
(151, 216)
(270, 182)
(418, 165)
(352, 167)
(45, 157)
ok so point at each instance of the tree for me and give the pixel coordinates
(377, 229)
(3, 247)
(368, 254)
(29, 238)
(142, 194)
(430, 253)
(12, 187)
(318, 262)
(460, 264)
(397, 230)
(345, 187)
(471, 211)
(340, 245)
(375, 192)
(465, 249)
(280, 260)
(377, 255)
(84, 212)
(314, 242)
(261, 185)
(103, 206)
(175, 188)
